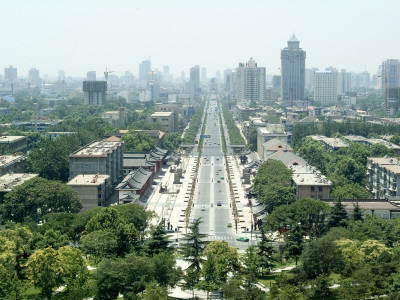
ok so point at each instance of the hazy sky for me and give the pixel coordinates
(82, 35)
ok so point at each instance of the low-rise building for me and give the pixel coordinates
(37, 124)
(310, 183)
(9, 181)
(115, 118)
(13, 144)
(331, 144)
(12, 164)
(104, 157)
(93, 190)
(53, 134)
(383, 176)
(377, 207)
(165, 119)
(272, 131)
(136, 182)
(272, 146)
(153, 161)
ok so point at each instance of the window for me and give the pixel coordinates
(312, 189)
(320, 189)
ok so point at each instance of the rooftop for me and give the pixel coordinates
(7, 159)
(88, 179)
(8, 181)
(11, 138)
(162, 113)
(102, 149)
(309, 175)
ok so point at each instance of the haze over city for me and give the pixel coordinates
(78, 36)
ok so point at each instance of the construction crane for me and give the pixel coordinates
(106, 74)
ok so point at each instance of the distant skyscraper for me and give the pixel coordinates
(91, 76)
(144, 70)
(276, 84)
(166, 75)
(34, 78)
(390, 79)
(326, 87)
(203, 74)
(10, 74)
(61, 75)
(218, 76)
(94, 92)
(250, 81)
(154, 88)
(293, 71)
(194, 82)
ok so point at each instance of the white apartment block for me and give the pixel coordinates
(326, 87)
(250, 81)
(383, 176)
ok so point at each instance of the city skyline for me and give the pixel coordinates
(50, 36)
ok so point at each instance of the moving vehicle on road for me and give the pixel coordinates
(242, 239)
(219, 203)
(203, 207)
(229, 224)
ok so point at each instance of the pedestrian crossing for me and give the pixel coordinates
(221, 237)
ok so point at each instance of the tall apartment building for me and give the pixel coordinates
(293, 60)
(326, 87)
(203, 74)
(383, 176)
(91, 76)
(310, 78)
(10, 74)
(390, 80)
(34, 78)
(104, 157)
(144, 70)
(94, 92)
(250, 82)
(194, 82)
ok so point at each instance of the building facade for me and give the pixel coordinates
(94, 92)
(93, 190)
(293, 60)
(166, 119)
(13, 144)
(12, 164)
(383, 176)
(250, 82)
(326, 87)
(104, 157)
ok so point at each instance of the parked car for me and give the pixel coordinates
(242, 239)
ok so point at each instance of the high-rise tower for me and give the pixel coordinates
(250, 82)
(293, 71)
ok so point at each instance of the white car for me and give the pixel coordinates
(203, 207)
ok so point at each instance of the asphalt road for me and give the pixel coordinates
(209, 191)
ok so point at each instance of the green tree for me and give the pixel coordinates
(167, 274)
(250, 271)
(357, 213)
(192, 247)
(50, 160)
(253, 139)
(209, 281)
(129, 276)
(158, 241)
(321, 257)
(74, 272)
(350, 191)
(294, 240)
(338, 215)
(273, 184)
(138, 142)
(224, 258)
(44, 270)
(172, 141)
(265, 252)
(99, 244)
(37, 197)
(51, 238)
(155, 292)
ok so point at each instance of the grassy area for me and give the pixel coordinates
(31, 292)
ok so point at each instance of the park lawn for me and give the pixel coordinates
(31, 291)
